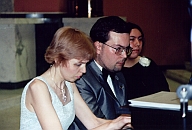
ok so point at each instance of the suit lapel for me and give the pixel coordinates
(119, 90)
(99, 77)
(108, 89)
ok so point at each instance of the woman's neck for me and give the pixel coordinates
(52, 75)
(131, 62)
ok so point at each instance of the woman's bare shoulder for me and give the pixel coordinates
(37, 85)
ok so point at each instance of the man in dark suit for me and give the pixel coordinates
(105, 94)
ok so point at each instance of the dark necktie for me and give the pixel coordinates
(106, 73)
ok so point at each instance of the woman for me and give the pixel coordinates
(142, 74)
(51, 100)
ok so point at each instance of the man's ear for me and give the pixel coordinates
(98, 46)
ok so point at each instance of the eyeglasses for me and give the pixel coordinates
(120, 49)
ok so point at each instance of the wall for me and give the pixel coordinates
(6, 6)
(166, 24)
(40, 5)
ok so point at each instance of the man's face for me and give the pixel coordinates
(107, 56)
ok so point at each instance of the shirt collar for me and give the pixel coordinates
(98, 65)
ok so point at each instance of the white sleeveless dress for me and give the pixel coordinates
(66, 114)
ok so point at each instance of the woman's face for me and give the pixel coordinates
(73, 69)
(136, 42)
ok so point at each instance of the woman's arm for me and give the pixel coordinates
(38, 100)
(83, 112)
(90, 120)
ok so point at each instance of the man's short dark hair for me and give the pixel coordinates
(102, 27)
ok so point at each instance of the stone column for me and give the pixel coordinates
(17, 51)
(83, 24)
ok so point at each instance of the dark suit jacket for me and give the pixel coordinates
(98, 95)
